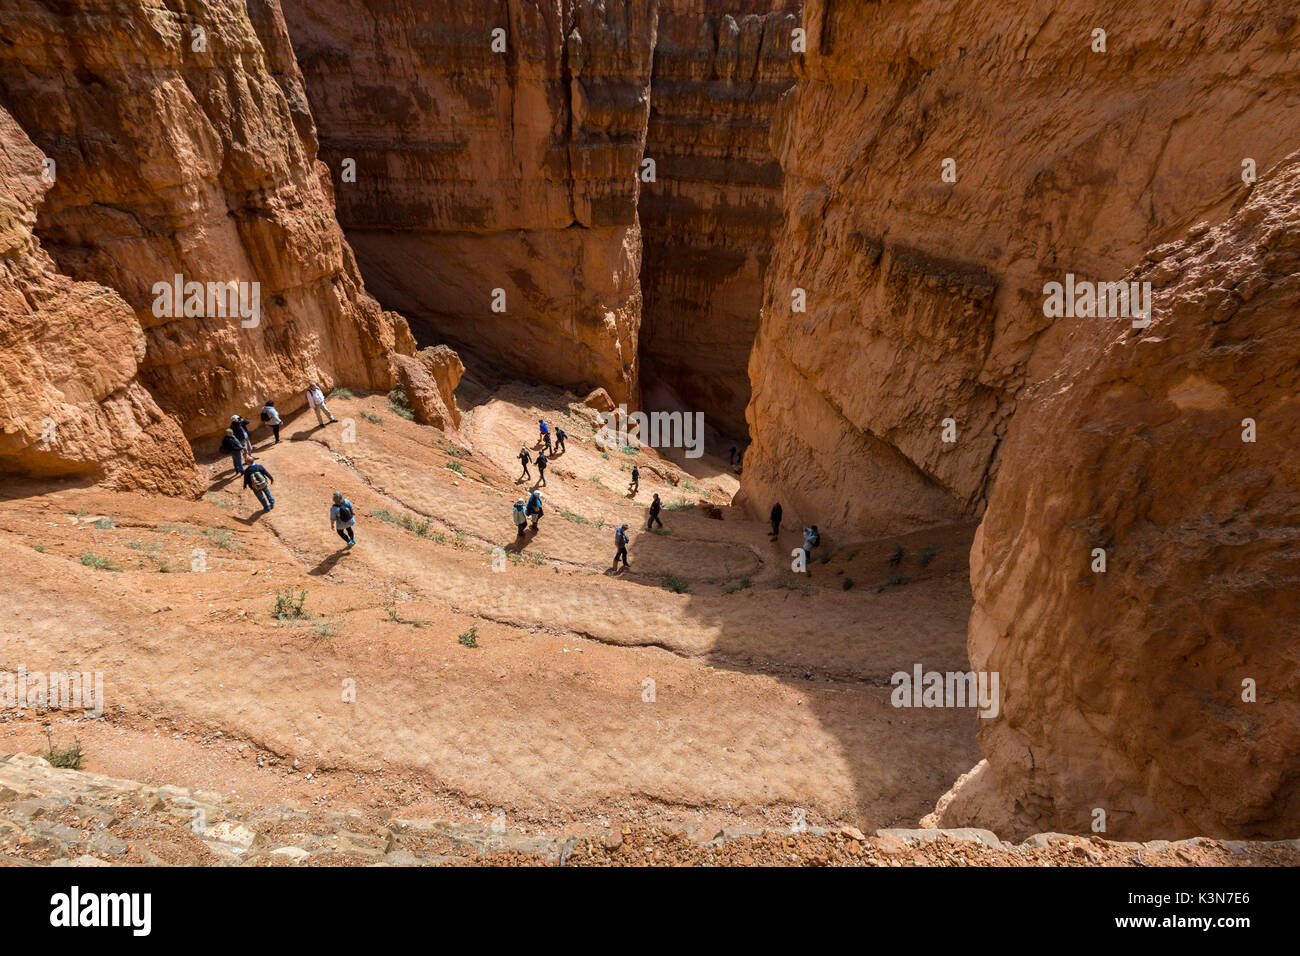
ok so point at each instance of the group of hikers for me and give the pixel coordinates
(238, 443)
(527, 512)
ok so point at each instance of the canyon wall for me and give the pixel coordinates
(924, 296)
(1172, 449)
(70, 402)
(925, 315)
(480, 169)
(183, 145)
(709, 219)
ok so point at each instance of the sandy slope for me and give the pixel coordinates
(766, 699)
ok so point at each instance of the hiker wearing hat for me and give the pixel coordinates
(534, 508)
(343, 518)
(239, 426)
(233, 447)
(270, 416)
(520, 514)
(620, 542)
(316, 399)
(259, 479)
(524, 459)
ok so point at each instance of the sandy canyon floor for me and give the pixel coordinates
(770, 691)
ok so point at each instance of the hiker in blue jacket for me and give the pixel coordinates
(545, 433)
(535, 508)
(259, 479)
(343, 518)
(620, 542)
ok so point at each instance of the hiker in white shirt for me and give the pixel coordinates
(317, 401)
(271, 417)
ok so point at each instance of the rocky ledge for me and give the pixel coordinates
(58, 817)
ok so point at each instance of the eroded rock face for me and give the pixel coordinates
(479, 171)
(924, 297)
(1124, 689)
(183, 145)
(70, 403)
(709, 219)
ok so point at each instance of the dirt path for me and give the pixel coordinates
(750, 694)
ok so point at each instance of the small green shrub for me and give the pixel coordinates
(470, 637)
(98, 563)
(343, 393)
(675, 584)
(67, 757)
(372, 418)
(740, 585)
(455, 466)
(288, 607)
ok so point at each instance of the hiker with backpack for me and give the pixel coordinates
(534, 508)
(545, 433)
(559, 441)
(520, 514)
(239, 426)
(635, 485)
(620, 542)
(343, 518)
(811, 539)
(233, 447)
(541, 467)
(776, 519)
(655, 506)
(270, 416)
(259, 479)
(524, 459)
(316, 399)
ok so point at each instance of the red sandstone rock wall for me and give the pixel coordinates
(924, 297)
(199, 161)
(1120, 691)
(479, 170)
(709, 220)
(1123, 690)
(70, 402)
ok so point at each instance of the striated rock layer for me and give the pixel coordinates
(1125, 688)
(493, 179)
(1121, 691)
(183, 145)
(709, 219)
(924, 297)
(70, 402)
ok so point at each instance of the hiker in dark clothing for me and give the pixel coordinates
(620, 542)
(240, 427)
(655, 505)
(776, 519)
(520, 513)
(535, 508)
(524, 459)
(343, 518)
(235, 449)
(259, 479)
(270, 416)
(635, 486)
(559, 441)
(541, 468)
